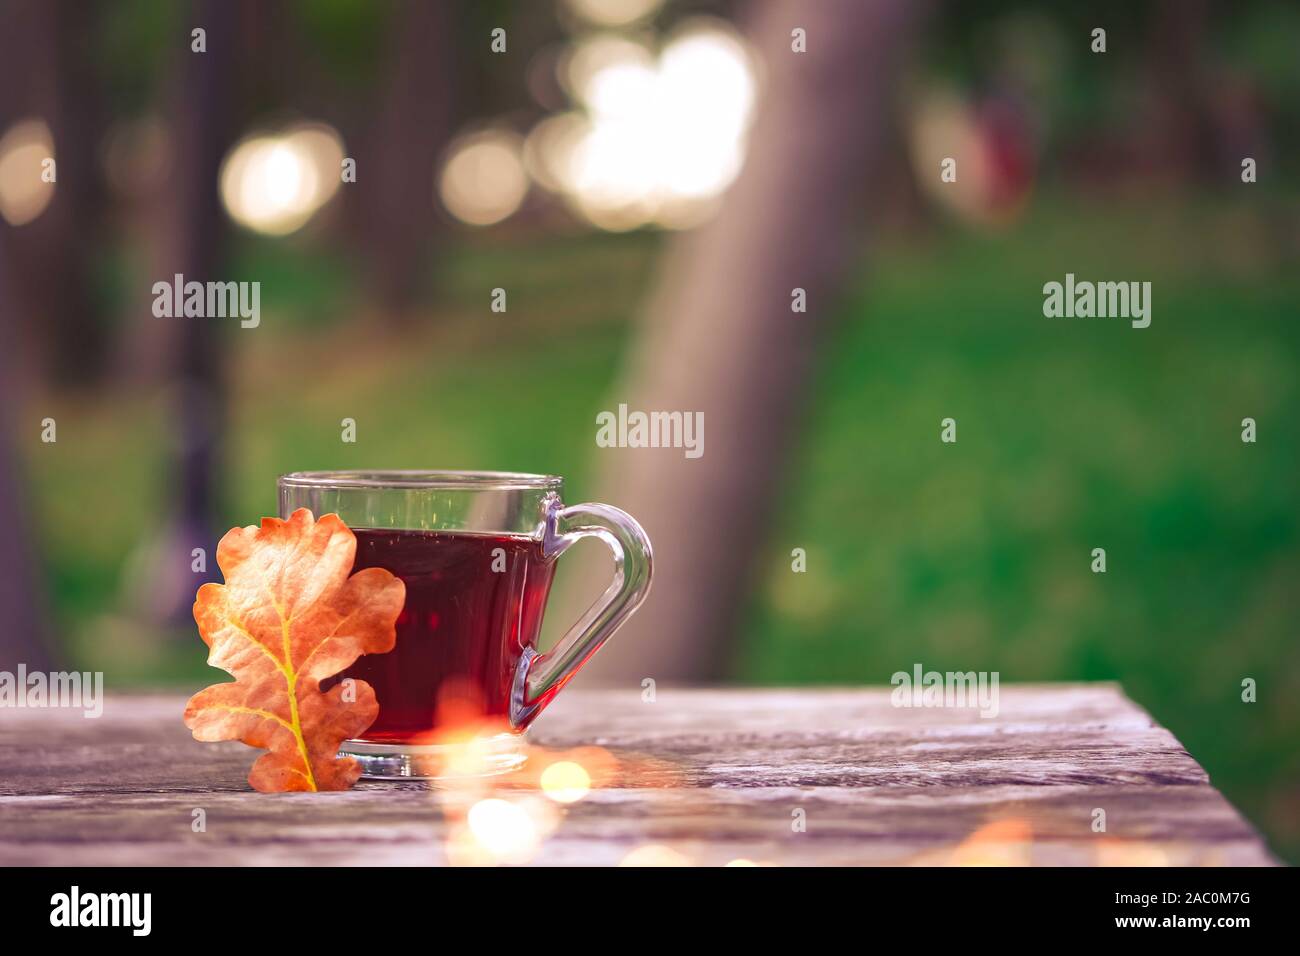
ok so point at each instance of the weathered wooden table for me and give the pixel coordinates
(705, 776)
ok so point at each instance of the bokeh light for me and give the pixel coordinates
(655, 854)
(483, 180)
(566, 781)
(497, 831)
(504, 830)
(1005, 842)
(599, 52)
(1112, 852)
(24, 194)
(612, 13)
(549, 147)
(274, 184)
(658, 138)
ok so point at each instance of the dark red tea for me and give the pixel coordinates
(473, 603)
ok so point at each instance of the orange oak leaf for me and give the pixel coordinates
(288, 617)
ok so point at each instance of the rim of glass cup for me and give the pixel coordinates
(482, 480)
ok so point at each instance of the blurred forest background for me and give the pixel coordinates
(639, 175)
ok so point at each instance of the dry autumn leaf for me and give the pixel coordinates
(288, 617)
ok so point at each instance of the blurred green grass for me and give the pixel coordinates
(1072, 434)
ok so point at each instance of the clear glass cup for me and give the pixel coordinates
(477, 552)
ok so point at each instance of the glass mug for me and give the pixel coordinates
(477, 552)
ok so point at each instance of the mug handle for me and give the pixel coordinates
(539, 677)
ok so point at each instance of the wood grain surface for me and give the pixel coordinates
(788, 777)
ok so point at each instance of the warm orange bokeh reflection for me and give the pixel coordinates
(1004, 842)
(505, 818)
(655, 854)
(1115, 852)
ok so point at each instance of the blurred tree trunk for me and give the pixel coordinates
(395, 169)
(719, 335)
(51, 326)
(48, 71)
(190, 238)
(1179, 29)
(25, 634)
